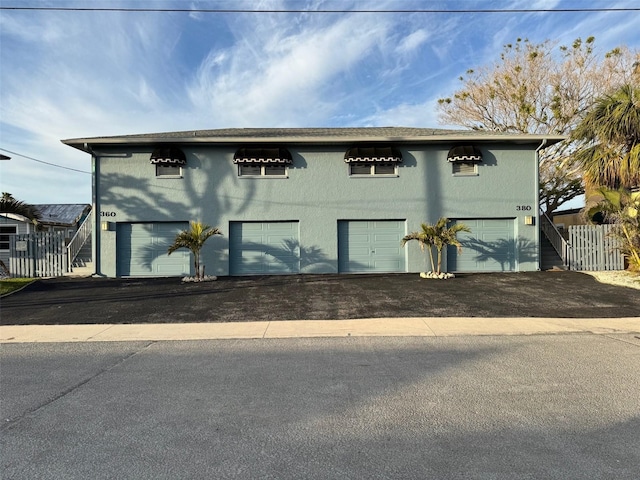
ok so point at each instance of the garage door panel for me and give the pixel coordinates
(359, 237)
(278, 239)
(142, 250)
(387, 266)
(496, 237)
(489, 247)
(386, 238)
(371, 246)
(260, 248)
(388, 252)
(496, 224)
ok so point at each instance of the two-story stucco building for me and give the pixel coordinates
(313, 200)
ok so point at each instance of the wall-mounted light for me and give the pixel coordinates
(529, 220)
(104, 226)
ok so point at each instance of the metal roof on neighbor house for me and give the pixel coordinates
(62, 214)
(311, 135)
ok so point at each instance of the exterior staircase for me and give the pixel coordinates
(80, 252)
(549, 258)
(552, 244)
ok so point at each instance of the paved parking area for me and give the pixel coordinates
(316, 297)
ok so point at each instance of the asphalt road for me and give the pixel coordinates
(527, 407)
(316, 297)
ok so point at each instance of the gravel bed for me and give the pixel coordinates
(621, 278)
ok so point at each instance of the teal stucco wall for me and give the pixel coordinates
(318, 193)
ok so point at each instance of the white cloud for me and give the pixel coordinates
(412, 42)
(287, 77)
(405, 115)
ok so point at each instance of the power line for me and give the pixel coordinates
(243, 10)
(42, 161)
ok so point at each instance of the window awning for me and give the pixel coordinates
(373, 154)
(168, 156)
(466, 153)
(276, 155)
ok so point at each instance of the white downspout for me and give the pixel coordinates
(95, 233)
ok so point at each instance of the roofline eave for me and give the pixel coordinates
(89, 144)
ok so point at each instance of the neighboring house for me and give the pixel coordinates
(65, 217)
(54, 217)
(10, 225)
(313, 200)
(563, 219)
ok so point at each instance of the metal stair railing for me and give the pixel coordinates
(78, 240)
(555, 238)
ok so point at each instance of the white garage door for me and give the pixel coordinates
(264, 248)
(490, 247)
(142, 250)
(371, 246)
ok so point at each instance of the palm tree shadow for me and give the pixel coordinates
(290, 255)
(503, 253)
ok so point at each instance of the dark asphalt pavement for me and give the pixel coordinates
(316, 297)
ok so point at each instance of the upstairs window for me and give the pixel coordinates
(168, 161)
(263, 162)
(257, 170)
(464, 160)
(465, 168)
(372, 169)
(168, 171)
(367, 161)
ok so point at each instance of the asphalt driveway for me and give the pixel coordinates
(316, 297)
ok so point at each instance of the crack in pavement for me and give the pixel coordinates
(10, 422)
(623, 340)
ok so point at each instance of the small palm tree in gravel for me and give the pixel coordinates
(437, 235)
(194, 239)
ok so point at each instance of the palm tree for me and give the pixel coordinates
(610, 132)
(194, 239)
(438, 235)
(8, 204)
(622, 208)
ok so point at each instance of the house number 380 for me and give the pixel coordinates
(523, 208)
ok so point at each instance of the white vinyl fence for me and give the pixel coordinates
(593, 248)
(42, 254)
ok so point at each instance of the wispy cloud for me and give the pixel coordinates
(291, 75)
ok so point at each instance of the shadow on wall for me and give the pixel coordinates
(144, 258)
(288, 257)
(502, 253)
(195, 196)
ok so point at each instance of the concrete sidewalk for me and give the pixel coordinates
(383, 327)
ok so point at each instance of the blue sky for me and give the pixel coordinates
(69, 74)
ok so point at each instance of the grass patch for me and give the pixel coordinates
(8, 285)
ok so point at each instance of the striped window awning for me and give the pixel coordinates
(378, 154)
(276, 155)
(172, 156)
(466, 154)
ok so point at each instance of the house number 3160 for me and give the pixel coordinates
(523, 208)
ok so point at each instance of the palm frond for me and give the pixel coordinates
(610, 136)
(8, 204)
